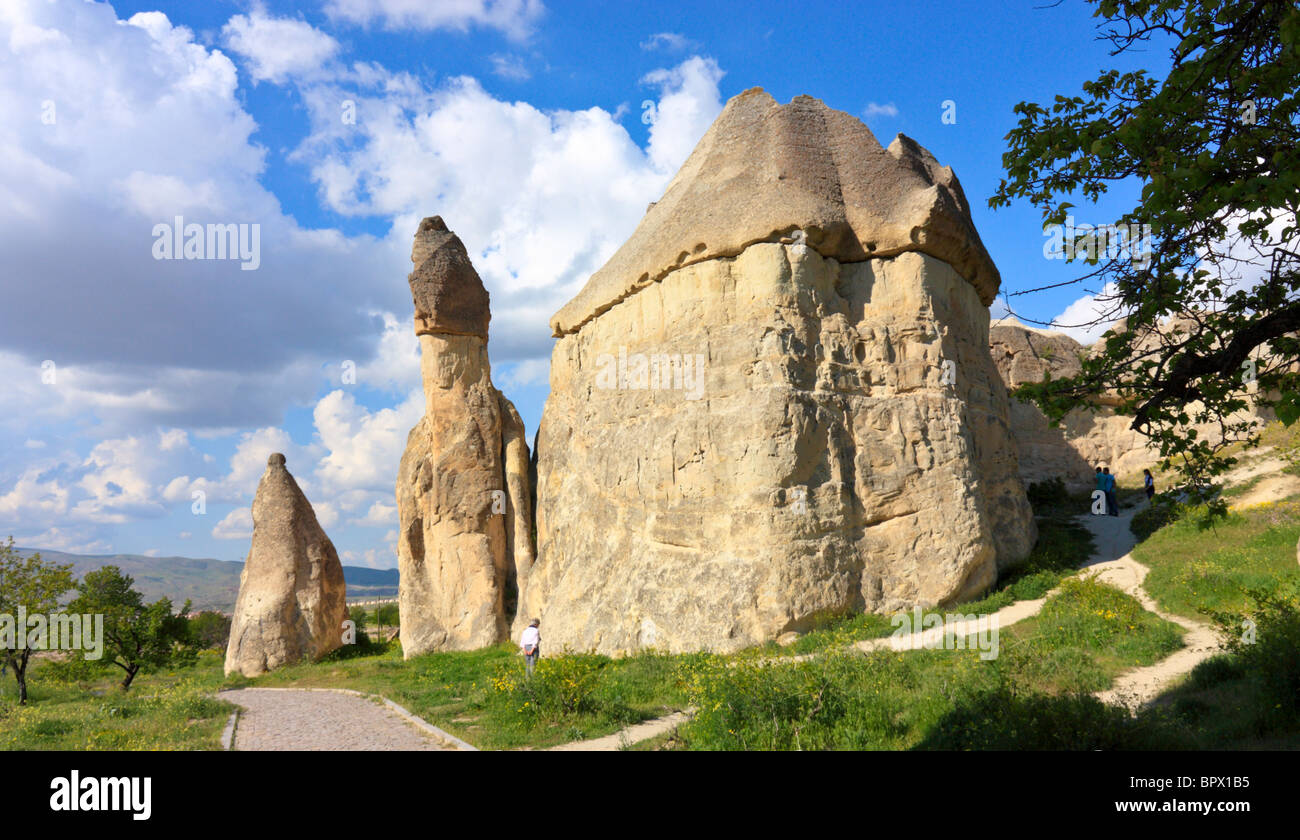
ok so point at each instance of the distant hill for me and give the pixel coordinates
(209, 584)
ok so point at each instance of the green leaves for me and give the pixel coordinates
(1209, 180)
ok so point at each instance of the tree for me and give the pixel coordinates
(35, 585)
(1215, 146)
(137, 634)
(210, 629)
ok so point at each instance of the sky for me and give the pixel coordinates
(143, 394)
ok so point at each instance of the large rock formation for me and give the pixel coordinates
(1085, 438)
(776, 401)
(292, 598)
(463, 495)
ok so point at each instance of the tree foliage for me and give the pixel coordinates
(137, 634)
(35, 585)
(1215, 147)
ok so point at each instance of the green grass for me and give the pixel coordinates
(1194, 569)
(1086, 635)
(168, 710)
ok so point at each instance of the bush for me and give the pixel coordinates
(1162, 511)
(210, 630)
(1004, 719)
(1266, 650)
(1046, 495)
(561, 687)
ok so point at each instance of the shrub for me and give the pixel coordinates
(1046, 495)
(1005, 719)
(1266, 650)
(562, 686)
(1162, 511)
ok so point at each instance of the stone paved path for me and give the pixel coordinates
(322, 719)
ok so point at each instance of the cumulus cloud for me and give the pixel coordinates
(237, 525)
(147, 125)
(363, 448)
(568, 187)
(689, 101)
(278, 48)
(1087, 319)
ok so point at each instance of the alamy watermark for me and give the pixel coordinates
(193, 241)
(658, 371)
(932, 631)
(1078, 240)
(55, 631)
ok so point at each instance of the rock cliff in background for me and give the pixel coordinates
(776, 401)
(292, 598)
(1085, 439)
(462, 486)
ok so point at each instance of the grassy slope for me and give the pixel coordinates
(1195, 569)
(171, 710)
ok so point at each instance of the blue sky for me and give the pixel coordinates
(520, 122)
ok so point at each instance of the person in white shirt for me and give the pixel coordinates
(530, 643)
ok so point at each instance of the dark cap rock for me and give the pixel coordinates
(448, 294)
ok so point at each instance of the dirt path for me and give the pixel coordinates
(1138, 687)
(638, 732)
(329, 719)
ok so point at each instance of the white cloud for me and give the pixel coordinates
(237, 525)
(277, 48)
(1241, 263)
(363, 448)
(875, 109)
(379, 515)
(527, 372)
(1087, 319)
(689, 101)
(673, 41)
(515, 18)
(73, 540)
(510, 67)
(568, 187)
(34, 498)
(149, 124)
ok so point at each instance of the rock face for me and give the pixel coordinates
(776, 402)
(463, 495)
(1084, 439)
(292, 598)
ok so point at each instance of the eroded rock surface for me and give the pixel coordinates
(292, 598)
(464, 474)
(755, 421)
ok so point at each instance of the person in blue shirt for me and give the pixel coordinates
(1150, 484)
(1101, 485)
(1112, 502)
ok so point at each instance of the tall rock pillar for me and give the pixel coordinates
(458, 487)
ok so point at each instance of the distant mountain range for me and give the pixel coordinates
(208, 584)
